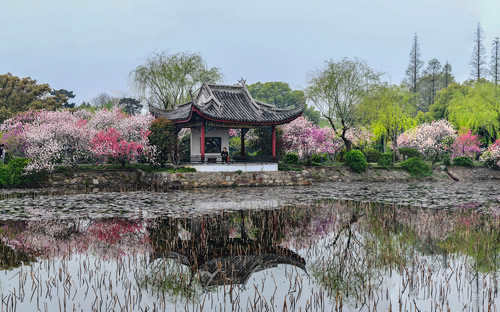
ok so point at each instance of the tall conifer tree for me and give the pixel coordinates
(413, 71)
(478, 61)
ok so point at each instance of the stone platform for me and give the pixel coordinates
(235, 167)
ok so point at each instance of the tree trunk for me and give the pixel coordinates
(395, 152)
(347, 142)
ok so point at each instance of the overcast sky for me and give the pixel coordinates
(90, 46)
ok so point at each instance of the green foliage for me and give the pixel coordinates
(63, 96)
(291, 158)
(491, 163)
(167, 80)
(356, 160)
(439, 109)
(164, 137)
(312, 115)
(385, 160)
(277, 93)
(463, 161)
(319, 158)
(185, 148)
(234, 145)
(182, 170)
(476, 107)
(130, 106)
(12, 174)
(337, 90)
(408, 152)
(263, 144)
(446, 159)
(283, 166)
(389, 110)
(22, 94)
(372, 155)
(416, 167)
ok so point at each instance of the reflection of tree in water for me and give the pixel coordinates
(377, 239)
(222, 249)
(106, 238)
(11, 258)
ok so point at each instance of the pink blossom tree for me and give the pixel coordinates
(465, 144)
(492, 155)
(304, 138)
(431, 139)
(110, 143)
(67, 138)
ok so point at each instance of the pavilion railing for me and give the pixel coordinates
(212, 159)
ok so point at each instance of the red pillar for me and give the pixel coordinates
(202, 141)
(274, 143)
(242, 140)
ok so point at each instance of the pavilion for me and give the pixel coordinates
(213, 111)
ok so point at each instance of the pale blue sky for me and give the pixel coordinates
(90, 46)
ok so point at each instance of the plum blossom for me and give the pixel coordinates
(465, 144)
(492, 154)
(430, 139)
(110, 143)
(304, 138)
(66, 138)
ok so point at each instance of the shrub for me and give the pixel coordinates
(4, 175)
(446, 159)
(318, 158)
(283, 166)
(164, 137)
(8, 157)
(416, 167)
(385, 160)
(185, 169)
(13, 173)
(291, 158)
(408, 152)
(356, 160)
(372, 155)
(491, 156)
(463, 161)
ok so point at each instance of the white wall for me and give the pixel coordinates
(223, 133)
(257, 167)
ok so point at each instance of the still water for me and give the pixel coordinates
(241, 250)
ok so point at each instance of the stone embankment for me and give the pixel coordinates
(131, 180)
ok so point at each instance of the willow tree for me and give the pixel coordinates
(337, 90)
(476, 108)
(390, 111)
(167, 81)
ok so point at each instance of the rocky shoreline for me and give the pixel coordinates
(94, 181)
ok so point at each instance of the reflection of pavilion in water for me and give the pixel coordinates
(225, 249)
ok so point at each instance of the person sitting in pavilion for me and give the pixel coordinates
(225, 155)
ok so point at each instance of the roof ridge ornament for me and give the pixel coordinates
(242, 82)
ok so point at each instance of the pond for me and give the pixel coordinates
(329, 247)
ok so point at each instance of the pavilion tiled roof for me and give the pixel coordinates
(225, 103)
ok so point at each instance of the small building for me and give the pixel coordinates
(213, 111)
